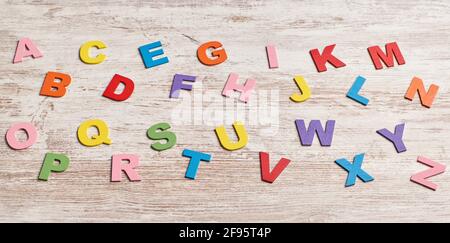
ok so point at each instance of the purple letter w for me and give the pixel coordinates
(307, 136)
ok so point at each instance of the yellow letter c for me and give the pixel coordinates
(84, 52)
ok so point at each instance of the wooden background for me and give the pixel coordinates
(229, 188)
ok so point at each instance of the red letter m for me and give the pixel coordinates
(392, 51)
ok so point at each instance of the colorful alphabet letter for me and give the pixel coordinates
(395, 138)
(272, 56)
(129, 168)
(178, 84)
(392, 50)
(353, 93)
(315, 127)
(49, 165)
(28, 128)
(304, 89)
(102, 137)
(421, 178)
(148, 55)
(159, 132)
(321, 59)
(245, 89)
(194, 163)
(219, 54)
(241, 134)
(426, 98)
(55, 89)
(354, 170)
(110, 91)
(26, 48)
(84, 52)
(266, 175)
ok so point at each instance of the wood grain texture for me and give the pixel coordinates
(229, 188)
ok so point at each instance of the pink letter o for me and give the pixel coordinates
(29, 129)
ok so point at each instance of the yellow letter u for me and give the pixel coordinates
(225, 140)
